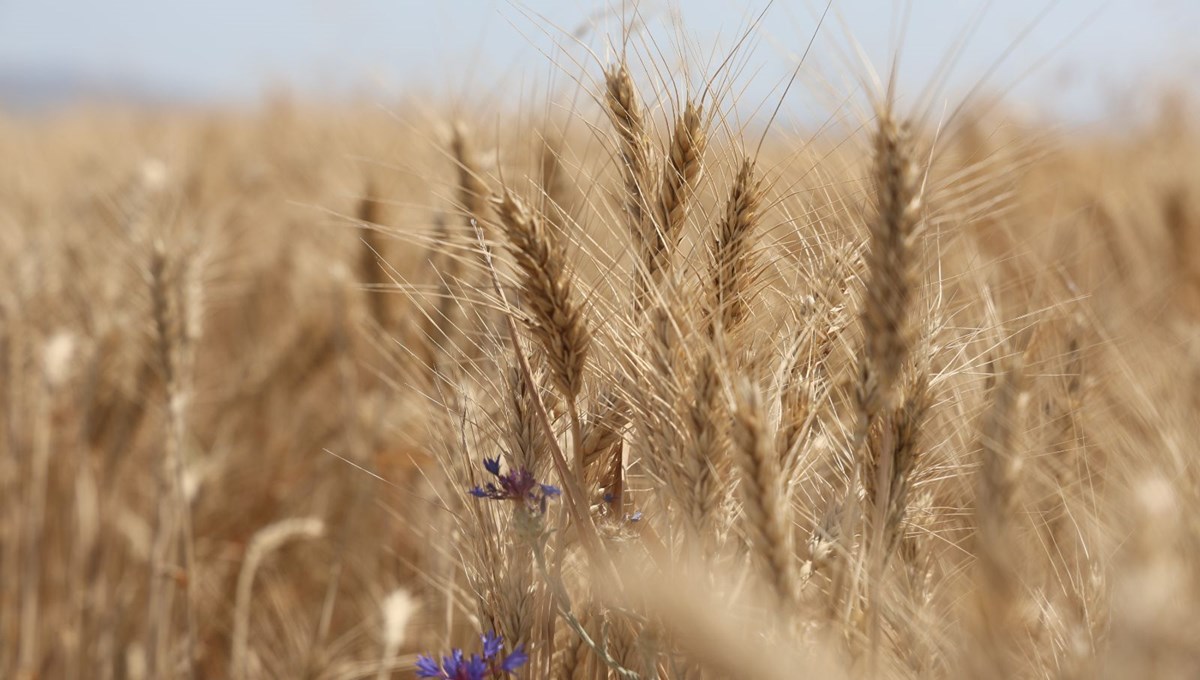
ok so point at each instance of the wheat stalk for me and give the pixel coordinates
(998, 554)
(265, 541)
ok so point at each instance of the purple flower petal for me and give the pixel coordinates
(473, 669)
(428, 668)
(492, 465)
(514, 660)
(492, 644)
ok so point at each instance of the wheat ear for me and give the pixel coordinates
(764, 506)
(886, 315)
(557, 318)
(891, 284)
(732, 267)
(625, 113)
(680, 175)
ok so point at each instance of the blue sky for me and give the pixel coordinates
(227, 50)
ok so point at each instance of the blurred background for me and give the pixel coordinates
(1072, 59)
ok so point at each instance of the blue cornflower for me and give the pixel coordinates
(458, 666)
(492, 644)
(516, 485)
(492, 465)
(514, 660)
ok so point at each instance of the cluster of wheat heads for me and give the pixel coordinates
(746, 434)
(911, 403)
(180, 345)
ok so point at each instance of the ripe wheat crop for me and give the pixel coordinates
(632, 390)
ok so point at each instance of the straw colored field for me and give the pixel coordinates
(892, 401)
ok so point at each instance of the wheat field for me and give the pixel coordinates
(622, 386)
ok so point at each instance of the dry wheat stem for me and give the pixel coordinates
(266, 541)
(32, 567)
(998, 564)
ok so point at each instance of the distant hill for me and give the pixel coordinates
(26, 91)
